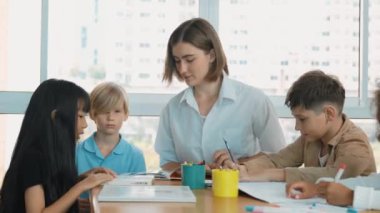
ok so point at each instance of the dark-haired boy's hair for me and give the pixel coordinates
(315, 88)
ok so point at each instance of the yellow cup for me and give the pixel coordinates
(225, 182)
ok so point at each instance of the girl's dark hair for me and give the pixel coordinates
(199, 33)
(49, 126)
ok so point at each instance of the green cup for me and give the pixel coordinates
(193, 175)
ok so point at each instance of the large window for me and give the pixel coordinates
(122, 41)
(271, 43)
(373, 46)
(268, 45)
(20, 31)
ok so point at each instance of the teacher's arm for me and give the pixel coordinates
(164, 144)
(267, 128)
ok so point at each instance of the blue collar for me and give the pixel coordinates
(91, 146)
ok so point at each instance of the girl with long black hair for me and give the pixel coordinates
(42, 175)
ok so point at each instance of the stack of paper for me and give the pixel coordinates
(146, 193)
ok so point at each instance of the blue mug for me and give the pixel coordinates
(193, 175)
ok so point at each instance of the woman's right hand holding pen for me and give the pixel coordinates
(221, 157)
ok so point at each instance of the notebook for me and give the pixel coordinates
(154, 193)
(171, 175)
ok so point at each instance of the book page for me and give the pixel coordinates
(132, 180)
(146, 193)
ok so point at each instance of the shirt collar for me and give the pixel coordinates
(120, 147)
(91, 146)
(227, 91)
(337, 138)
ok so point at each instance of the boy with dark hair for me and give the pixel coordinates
(328, 138)
(359, 192)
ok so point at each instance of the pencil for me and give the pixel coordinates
(229, 151)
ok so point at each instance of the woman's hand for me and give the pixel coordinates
(220, 157)
(301, 190)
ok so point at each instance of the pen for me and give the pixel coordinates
(339, 174)
(323, 207)
(337, 177)
(280, 209)
(229, 151)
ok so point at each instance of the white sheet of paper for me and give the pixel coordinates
(273, 192)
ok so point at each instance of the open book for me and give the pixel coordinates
(127, 179)
(171, 175)
(146, 193)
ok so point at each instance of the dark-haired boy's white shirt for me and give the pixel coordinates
(242, 115)
(366, 191)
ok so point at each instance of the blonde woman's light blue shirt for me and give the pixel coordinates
(242, 115)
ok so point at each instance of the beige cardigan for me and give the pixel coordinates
(349, 146)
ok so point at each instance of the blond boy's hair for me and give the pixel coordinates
(105, 96)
